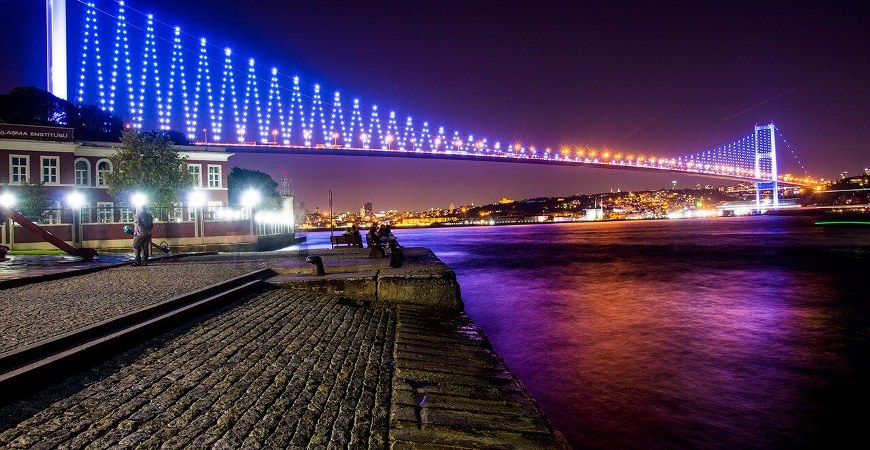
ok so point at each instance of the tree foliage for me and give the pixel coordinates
(33, 200)
(240, 180)
(28, 105)
(149, 163)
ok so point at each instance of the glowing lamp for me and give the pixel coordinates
(7, 199)
(250, 198)
(138, 200)
(75, 199)
(196, 199)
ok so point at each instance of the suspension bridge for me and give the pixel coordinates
(155, 76)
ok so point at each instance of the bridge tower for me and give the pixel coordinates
(765, 157)
(56, 68)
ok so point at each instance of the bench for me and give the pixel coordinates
(346, 240)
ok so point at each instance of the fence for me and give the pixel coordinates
(103, 226)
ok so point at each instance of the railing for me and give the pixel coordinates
(104, 226)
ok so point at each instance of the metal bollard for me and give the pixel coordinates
(318, 264)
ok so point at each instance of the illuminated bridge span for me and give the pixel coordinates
(157, 77)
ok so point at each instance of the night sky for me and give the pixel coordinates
(659, 78)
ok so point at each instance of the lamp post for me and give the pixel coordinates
(250, 199)
(75, 200)
(7, 201)
(331, 224)
(195, 201)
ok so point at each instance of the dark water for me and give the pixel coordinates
(721, 333)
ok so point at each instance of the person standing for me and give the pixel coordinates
(142, 225)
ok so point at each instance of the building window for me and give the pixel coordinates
(196, 171)
(126, 214)
(19, 166)
(105, 212)
(174, 213)
(86, 213)
(104, 167)
(53, 215)
(213, 210)
(83, 172)
(49, 169)
(214, 176)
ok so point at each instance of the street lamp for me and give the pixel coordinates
(7, 199)
(250, 198)
(76, 200)
(195, 201)
(138, 200)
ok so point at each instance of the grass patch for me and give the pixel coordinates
(36, 252)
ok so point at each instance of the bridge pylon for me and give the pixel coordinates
(765, 158)
(56, 63)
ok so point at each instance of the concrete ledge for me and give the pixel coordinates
(431, 288)
(358, 285)
(422, 280)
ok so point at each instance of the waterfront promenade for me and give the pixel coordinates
(281, 368)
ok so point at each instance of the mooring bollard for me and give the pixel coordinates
(318, 264)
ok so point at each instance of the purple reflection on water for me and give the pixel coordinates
(710, 333)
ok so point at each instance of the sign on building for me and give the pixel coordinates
(35, 133)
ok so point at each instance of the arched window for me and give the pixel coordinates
(104, 167)
(83, 172)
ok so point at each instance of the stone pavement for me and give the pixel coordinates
(287, 369)
(38, 311)
(15, 267)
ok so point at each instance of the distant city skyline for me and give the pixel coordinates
(667, 79)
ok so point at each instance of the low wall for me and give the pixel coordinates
(422, 278)
(180, 236)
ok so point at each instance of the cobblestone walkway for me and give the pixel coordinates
(38, 311)
(287, 369)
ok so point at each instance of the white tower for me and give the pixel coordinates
(55, 26)
(766, 134)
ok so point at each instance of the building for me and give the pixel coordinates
(51, 156)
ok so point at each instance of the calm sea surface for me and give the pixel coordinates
(723, 333)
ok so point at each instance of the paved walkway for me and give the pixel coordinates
(287, 369)
(38, 311)
(24, 266)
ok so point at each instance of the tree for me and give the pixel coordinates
(148, 162)
(240, 180)
(33, 106)
(28, 105)
(33, 200)
(94, 124)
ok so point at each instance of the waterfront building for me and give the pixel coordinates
(52, 157)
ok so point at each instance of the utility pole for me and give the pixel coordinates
(331, 223)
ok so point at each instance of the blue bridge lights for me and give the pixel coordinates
(152, 69)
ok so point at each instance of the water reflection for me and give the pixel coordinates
(712, 333)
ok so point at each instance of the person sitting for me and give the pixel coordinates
(354, 233)
(372, 237)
